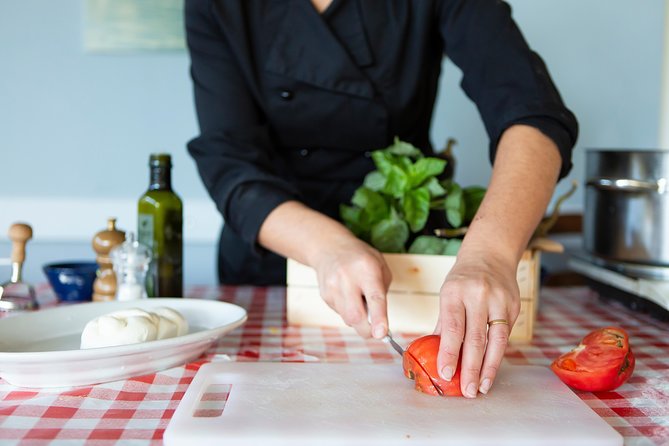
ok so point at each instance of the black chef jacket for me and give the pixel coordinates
(290, 103)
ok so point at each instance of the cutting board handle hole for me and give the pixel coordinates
(213, 401)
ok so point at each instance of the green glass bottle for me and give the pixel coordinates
(160, 227)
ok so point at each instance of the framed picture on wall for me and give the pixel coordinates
(133, 25)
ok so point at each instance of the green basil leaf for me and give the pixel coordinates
(372, 204)
(390, 235)
(455, 205)
(397, 182)
(473, 196)
(428, 244)
(425, 168)
(401, 148)
(416, 207)
(383, 160)
(352, 218)
(375, 180)
(451, 247)
(404, 163)
(435, 188)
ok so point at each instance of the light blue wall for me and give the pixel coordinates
(77, 124)
(82, 125)
(606, 59)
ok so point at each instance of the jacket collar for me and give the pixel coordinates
(305, 49)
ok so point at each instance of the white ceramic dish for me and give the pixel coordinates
(41, 349)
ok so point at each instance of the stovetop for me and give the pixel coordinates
(645, 281)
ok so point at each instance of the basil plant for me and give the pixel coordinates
(390, 209)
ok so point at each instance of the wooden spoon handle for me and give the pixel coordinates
(19, 234)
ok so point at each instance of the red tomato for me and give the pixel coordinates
(420, 364)
(602, 361)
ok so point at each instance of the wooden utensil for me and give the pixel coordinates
(104, 287)
(16, 294)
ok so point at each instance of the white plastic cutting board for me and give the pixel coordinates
(374, 404)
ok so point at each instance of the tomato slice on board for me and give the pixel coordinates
(602, 361)
(420, 364)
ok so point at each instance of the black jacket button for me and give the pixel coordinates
(304, 152)
(286, 95)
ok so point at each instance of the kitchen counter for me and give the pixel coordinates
(138, 410)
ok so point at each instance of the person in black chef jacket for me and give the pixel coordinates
(291, 97)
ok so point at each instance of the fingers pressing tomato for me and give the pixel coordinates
(420, 364)
(602, 361)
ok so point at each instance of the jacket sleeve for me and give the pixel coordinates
(508, 82)
(234, 153)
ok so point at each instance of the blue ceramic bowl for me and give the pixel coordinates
(72, 281)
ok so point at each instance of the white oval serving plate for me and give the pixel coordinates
(41, 349)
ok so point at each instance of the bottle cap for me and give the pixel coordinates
(160, 160)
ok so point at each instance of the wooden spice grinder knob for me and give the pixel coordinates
(19, 234)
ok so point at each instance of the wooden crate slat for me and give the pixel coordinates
(413, 298)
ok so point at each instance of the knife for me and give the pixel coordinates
(398, 348)
(389, 339)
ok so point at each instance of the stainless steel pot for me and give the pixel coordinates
(627, 206)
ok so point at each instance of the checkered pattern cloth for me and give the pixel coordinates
(138, 410)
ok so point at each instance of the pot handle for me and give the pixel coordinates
(628, 185)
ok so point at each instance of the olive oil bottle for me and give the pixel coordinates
(160, 227)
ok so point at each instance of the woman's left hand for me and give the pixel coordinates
(481, 287)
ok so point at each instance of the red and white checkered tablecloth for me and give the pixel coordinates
(138, 410)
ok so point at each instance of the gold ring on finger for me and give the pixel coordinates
(498, 321)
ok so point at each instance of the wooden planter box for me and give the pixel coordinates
(413, 298)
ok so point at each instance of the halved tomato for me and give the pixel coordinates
(420, 364)
(602, 361)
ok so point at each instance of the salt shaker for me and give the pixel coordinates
(131, 262)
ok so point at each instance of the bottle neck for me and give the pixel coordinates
(160, 178)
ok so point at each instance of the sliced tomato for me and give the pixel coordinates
(602, 361)
(420, 364)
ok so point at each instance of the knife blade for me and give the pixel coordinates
(398, 348)
(389, 339)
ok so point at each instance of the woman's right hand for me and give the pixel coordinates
(353, 278)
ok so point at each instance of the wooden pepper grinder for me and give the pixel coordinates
(104, 287)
